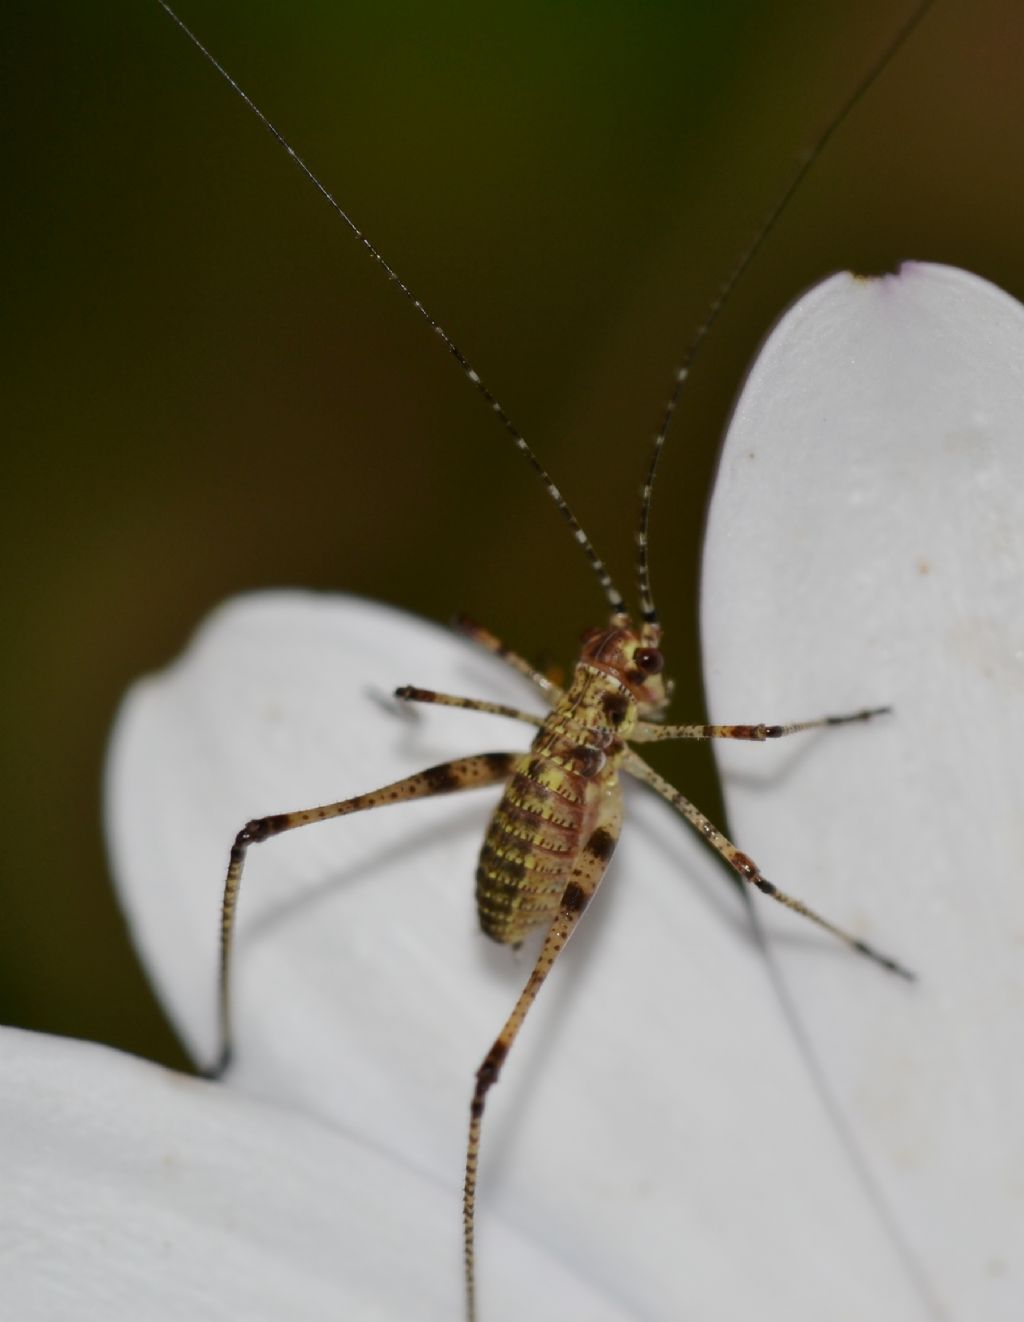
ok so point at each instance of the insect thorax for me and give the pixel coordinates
(550, 804)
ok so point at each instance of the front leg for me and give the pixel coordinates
(407, 693)
(470, 629)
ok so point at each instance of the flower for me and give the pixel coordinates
(693, 1123)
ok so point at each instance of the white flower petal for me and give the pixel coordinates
(654, 1128)
(131, 1192)
(866, 546)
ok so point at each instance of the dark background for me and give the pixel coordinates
(209, 388)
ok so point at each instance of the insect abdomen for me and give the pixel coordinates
(531, 844)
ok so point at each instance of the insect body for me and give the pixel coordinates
(556, 826)
(552, 834)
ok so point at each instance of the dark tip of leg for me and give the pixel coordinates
(219, 1067)
(865, 715)
(908, 975)
(889, 964)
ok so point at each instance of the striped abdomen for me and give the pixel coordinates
(564, 795)
(546, 813)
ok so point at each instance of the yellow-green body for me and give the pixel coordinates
(567, 784)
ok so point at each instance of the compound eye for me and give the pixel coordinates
(650, 660)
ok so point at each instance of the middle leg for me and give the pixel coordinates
(647, 732)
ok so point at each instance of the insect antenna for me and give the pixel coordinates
(612, 595)
(648, 612)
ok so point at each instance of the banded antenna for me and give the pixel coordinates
(614, 598)
(648, 613)
(612, 595)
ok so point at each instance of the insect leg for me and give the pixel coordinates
(478, 634)
(409, 694)
(647, 732)
(746, 867)
(586, 876)
(463, 773)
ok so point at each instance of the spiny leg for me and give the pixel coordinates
(746, 867)
(463, 773)
(409, 694)
(586, 876)
(478, 634)
(647, 732)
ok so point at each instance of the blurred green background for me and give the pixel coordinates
(209, 388)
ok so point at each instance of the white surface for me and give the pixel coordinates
(866, 546)
(658, 1130)
(130, 1192)
(654, 1127)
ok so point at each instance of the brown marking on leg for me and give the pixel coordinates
(407, 693)
(442, 779)
(547, 684)
(586, 876)
(647, 732)
(748, 869)
(601, 844)
(462, 774)
(499, 763)
(575, 899)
